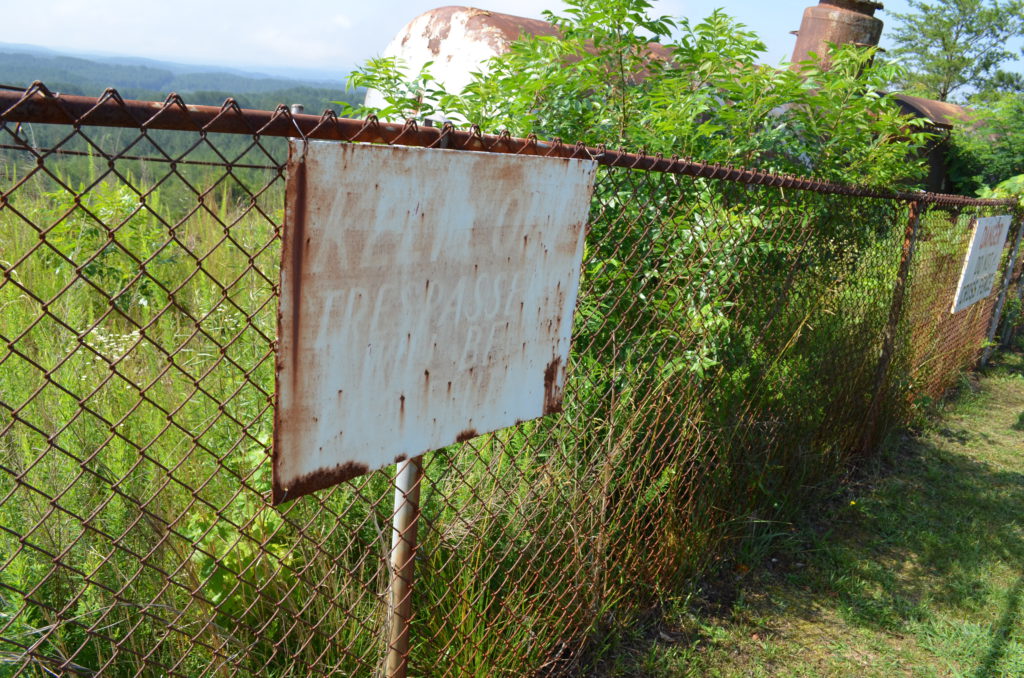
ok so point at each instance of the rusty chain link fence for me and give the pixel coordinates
(740, 339)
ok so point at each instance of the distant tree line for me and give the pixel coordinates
(958, 50)
(72, 75)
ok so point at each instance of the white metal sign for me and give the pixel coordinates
(982, 261)
(426, 297)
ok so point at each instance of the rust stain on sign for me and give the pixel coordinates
(554, 378)
(426, 297)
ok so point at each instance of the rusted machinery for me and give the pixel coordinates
(457, 41)
(841, 22)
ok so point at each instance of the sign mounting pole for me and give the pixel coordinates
(404, 524)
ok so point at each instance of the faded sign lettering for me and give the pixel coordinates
(426, 297)
(982, 261)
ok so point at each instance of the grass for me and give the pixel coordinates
(916, 569)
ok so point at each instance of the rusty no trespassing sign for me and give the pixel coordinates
(426, 297)
(982, 261)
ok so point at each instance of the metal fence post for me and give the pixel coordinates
(403, 552)
(997, 313)
(1009, 331)
(868, 433)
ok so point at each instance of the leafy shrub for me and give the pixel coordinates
(109, 234)
(710, 99)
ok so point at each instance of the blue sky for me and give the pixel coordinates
(322, 35)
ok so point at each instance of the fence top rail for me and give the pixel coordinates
(38, 104)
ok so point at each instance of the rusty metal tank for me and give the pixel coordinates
(842, 22)
(942, 118)
(456, 41)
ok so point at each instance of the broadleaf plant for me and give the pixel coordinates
(620, 77)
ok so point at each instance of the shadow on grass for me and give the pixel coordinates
(937, 536)
(928, 535)
(930, 542)
(1002, 631)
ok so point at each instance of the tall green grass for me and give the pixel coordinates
(137, 381)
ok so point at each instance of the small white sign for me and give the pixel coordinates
(427, 297)
(982, 262)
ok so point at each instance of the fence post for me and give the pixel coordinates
(868, 434)
(403, 552)
(1008, 332)
(997, 313)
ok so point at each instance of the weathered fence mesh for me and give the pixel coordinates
(739, 340)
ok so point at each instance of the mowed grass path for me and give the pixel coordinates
(916, 570)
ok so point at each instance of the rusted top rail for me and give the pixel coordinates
(37, 104)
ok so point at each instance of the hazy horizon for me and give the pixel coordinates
(268, 39)
(341, 36)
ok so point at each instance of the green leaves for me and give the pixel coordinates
(108, 233)
(991, 149)
(406, 97)
(701, 92)
(956, 45)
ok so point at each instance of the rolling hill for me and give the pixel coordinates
(137, 78)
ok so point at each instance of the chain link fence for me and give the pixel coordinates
(740, 338)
